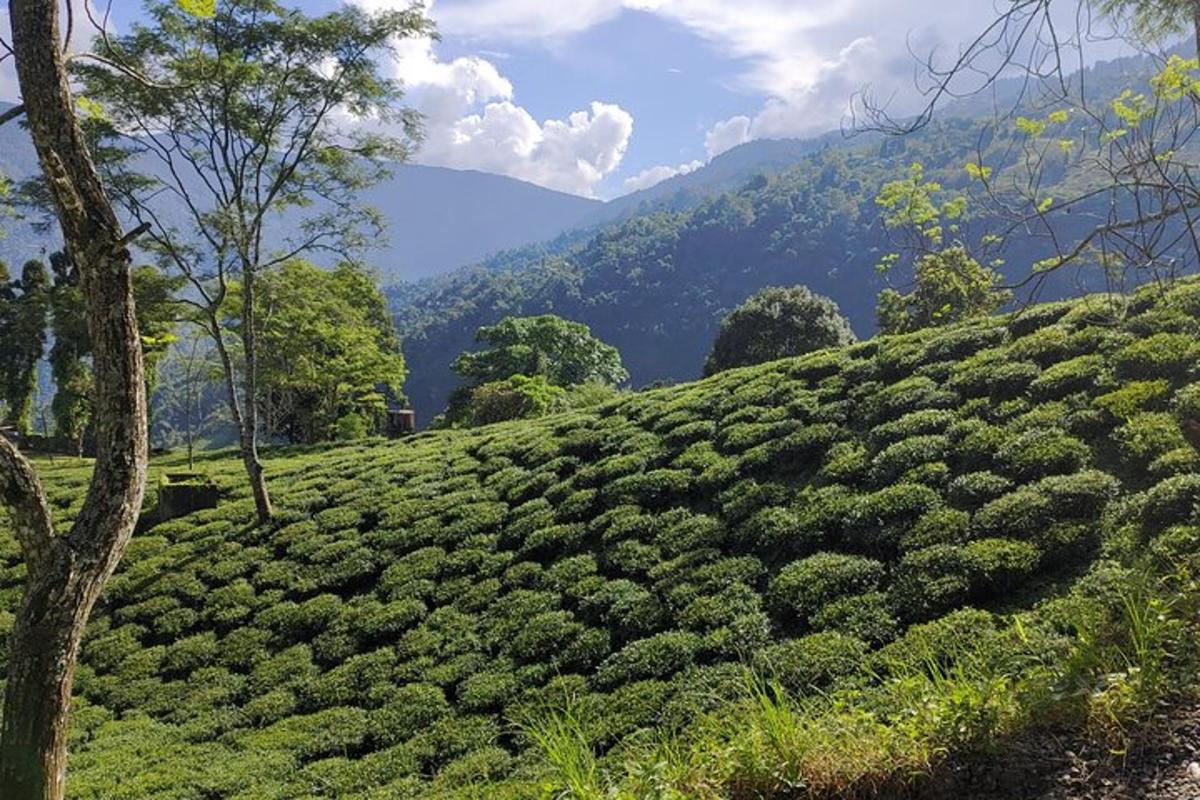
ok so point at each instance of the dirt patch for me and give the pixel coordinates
(1163, 763)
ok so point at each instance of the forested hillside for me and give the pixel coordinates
(656, 284)
(416, 607)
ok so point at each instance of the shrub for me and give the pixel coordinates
(1082, 495)
(652, 489)
(1020, 514)
(939, 578)
(868, 616)
(658, 656)
(973, 489)
(1175, 462)
(906, 396)
(487, 691)
(411, 710)
(978, 446)
(1013, 379)
(875, 523)
(918, 423)
(816, 661)
(1032, 318)
(846, 462)
(516, 397)
(1147, 436)
(803, 588)
(1067, 377)
(1172, 501)
(1041, 452)
(939, 526)
(1134, 397)
(900, 457)
(1162, 355)
(776, 323)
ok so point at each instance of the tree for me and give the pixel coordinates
(65, 572)
(516, 397)
(157, 309)
(23, 337)
(1127, 197)
(329, 353)
(930, 232)
(186, 401)
(1156, 20)
(948, 286)
(244, 114)
(564, 352)
(774, 323)
(529, 364)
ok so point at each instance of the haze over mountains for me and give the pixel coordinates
(437, 218)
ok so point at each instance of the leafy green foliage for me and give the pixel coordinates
(24, 307)
(948, 285)
(776, 323)
(529, 364)
(329, 358)
(563, 352)
(413, 601)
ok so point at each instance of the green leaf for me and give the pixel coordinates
(204, 9)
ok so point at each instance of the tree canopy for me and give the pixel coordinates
(24, 306)
(774, 323)
(241, 111)
(564, 352)
(328, 352)
(527, 368)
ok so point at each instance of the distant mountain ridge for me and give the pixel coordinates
(437, 218)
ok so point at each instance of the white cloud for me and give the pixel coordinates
(806, 58)
(524, 19)
(472, 119)
(572, 155)
(727, 134)
(82, 35)
(654, 175)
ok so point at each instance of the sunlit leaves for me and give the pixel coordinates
(204, 9)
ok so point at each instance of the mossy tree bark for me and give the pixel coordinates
(66, 571)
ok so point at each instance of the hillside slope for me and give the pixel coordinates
(657, 286)
(414, 599)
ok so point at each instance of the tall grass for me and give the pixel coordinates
(1130, 650)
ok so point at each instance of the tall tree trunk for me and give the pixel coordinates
(66, 573)
(244, 418)
(1196, 25)
(258, 483)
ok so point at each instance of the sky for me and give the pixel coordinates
(602, 97)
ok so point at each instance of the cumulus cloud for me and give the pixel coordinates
(571, 155)
(473, 121)
(727, 134)
(655, 175)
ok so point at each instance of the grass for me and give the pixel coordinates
(1131, 656)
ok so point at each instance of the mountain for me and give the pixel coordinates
(437, 219)
(422, 613)
(726, 172)
(660, 268)
(656, 285)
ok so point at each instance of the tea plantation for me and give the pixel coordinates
(416, 600)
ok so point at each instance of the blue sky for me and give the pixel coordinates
(600, 97)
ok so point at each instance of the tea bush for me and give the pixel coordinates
(414, 599)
